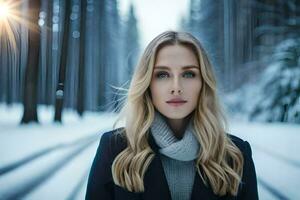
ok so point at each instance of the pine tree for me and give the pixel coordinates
(280, 82)
(280, 100)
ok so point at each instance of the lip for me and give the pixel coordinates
(176, 102)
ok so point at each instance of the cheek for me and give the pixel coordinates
(193, 90)
(157, 95)
(193, 86)
(154, 89)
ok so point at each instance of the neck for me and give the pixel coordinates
(178, 126)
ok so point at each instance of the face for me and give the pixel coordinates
(176, 81)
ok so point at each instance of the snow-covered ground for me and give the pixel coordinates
(51, 145)
(275, 149)
(54, 159)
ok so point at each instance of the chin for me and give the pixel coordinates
(173, 115)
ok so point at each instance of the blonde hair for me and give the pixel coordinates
(220, 160)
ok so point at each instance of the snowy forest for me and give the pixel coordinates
(65, 66)
(77, 53)
(73, 55)
(256, 53)
(86, 51)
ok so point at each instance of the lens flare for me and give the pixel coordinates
(11, 18)
(8, 29)
(4, 10)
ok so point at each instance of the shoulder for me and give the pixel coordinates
(243, 145)
(114, 141)
(100, 181)
(248, 186)
(110, 145)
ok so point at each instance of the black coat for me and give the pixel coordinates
(101, 186)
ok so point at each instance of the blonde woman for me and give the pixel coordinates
(174, 144)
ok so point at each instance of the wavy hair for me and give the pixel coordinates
(219, 162)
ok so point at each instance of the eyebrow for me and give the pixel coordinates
(184, 67)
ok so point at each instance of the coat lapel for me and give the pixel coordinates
(155, 182)
(156, 185)
(201, 190)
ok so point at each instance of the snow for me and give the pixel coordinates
(20, 141)
(72, 129)
(275, 149)
(271, 145)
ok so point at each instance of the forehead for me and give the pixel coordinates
(176, 56)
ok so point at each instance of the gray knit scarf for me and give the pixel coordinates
(185, 149)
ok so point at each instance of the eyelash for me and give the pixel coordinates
(158, 74)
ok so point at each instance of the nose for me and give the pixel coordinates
(178, 92)
(176, 87)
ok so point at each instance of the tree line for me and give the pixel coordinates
(70, 54)
(255, 49)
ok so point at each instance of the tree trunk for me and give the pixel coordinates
(62, 69)
(81, 74)
(49, 83)
(30, 88)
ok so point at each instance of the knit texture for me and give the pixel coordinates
(180, 177)
(185, 149)
(177, 156)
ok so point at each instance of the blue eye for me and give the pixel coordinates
(189, 74)
(161, 75)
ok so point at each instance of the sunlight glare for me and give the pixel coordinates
(8, 24)
(11, 18)
(4, 10)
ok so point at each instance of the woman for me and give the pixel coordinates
(174, 144)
